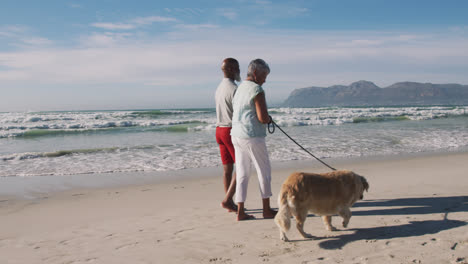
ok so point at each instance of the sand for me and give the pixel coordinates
(416, 211)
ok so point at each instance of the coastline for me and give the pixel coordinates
(35, 187)
(416, 211)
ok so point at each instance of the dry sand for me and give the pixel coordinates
(416, 211)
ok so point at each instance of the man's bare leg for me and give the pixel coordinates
(229, 188)
(267, 211)
(241, 215)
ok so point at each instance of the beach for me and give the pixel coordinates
(416, 211)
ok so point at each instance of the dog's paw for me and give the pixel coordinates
(331, 228)
(284, 238)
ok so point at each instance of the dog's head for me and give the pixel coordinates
(365, 186)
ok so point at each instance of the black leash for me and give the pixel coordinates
(271, 130)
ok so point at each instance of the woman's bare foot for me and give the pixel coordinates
(269, 214)
(244, 216)
(241, 215)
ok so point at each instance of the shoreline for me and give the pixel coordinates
(416, 211)
(33, 187)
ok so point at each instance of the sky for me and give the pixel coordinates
(146, 54)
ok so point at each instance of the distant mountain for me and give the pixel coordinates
(365, 93)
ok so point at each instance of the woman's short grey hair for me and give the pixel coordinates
(258, 65)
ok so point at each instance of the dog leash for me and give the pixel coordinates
(271, 130)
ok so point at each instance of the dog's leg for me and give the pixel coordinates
(327, 221)
(346, 214)
(283, 217)
(301, 216)
(283, 220)
(283, 236)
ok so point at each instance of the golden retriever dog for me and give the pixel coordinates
(323, 194)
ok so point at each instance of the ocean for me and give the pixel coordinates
(34, 144)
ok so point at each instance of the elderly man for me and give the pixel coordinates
(224, 94)
(250, 116)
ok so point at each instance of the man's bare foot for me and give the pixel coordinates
(230, 206)
(244, 216)
(269, 214)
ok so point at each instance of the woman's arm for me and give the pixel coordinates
(261, 107)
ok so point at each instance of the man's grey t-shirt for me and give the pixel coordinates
(223, 97)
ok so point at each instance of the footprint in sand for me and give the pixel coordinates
(220, 260)
(63, 242)
(109, 236)
(238, 246)
(183, 230)
(126, 245)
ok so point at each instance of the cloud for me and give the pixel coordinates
(104, 39)
(18, 35)
(152, 19)
(112, 57)
(263, 2)
(36, 41)
(187, 61)
(197, 26)
(134, 23)
(113, 26)
(74, 5)
(12, 30)
(294, 11)
(188, 11)
(228, 13)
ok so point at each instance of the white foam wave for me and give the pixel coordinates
(15, 124)
(320, 130)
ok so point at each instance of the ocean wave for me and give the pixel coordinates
(379, 119)
(104, 127)
(40, 124)
(61, 153)
(55, 154)
(172, 151)
(157, 113)
(334, 116)
(186, 126)
(154, 113)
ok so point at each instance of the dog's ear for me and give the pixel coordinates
(365, 184)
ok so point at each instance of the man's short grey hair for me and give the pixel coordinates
(258, 65)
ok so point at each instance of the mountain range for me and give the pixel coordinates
(365, 93)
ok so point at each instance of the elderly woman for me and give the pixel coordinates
(250, 116)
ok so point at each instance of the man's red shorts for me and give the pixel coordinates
(223, 137)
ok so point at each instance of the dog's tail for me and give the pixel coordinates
(283, 217)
